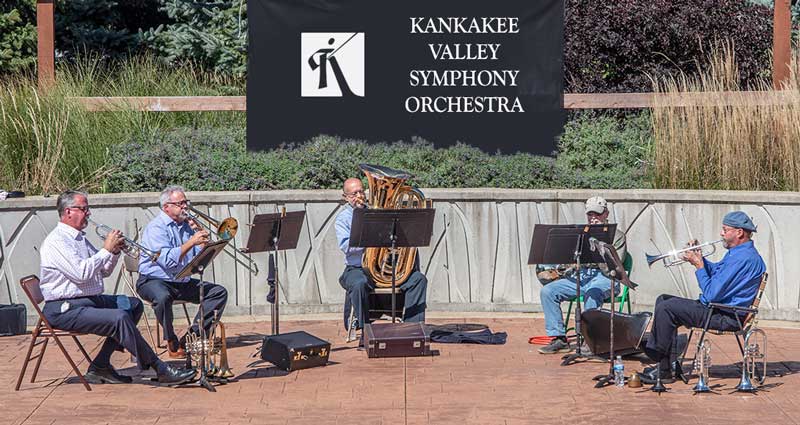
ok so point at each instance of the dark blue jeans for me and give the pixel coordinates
(358, 285)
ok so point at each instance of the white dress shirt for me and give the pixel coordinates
(71, 267)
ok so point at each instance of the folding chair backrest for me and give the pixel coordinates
(757, 300)
(30, 285)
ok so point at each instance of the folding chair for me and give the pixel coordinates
(380, 303)
(131, 266)
(43, 330)
(622, 299)
(745, 325)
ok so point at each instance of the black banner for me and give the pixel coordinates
(486, 73)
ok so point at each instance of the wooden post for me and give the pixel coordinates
(46, 42)
(781, 44)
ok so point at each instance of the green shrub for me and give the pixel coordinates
(601, 151)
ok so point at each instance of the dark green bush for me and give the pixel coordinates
(602, 152)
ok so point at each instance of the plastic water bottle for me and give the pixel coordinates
(619, 372)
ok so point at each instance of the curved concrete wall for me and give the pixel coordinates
(477, 260)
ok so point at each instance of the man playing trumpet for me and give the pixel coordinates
(178, 239)
(734, 280)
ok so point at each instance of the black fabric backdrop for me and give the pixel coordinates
(277, 113)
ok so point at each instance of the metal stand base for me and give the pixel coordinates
(605, 380)
(573, 358)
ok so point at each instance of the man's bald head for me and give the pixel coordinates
(353, 192)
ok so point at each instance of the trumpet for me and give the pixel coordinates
(131, 248)
(223, 230)
(701, 365)
(754, 362)
(673, 258)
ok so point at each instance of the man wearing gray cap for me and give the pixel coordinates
(734, 281)
(595, 284)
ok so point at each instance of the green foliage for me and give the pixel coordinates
(17, 35)
(600, 151)
(212, 33)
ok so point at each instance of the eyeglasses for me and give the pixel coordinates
(183, 203)
(357, 192)
(83, 208)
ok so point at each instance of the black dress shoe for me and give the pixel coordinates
(107, 375)
(649, 376)
(174, 376)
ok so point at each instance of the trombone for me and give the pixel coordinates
(131, 248)
(673, 258)
(223, 230)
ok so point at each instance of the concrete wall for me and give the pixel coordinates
(477, 260)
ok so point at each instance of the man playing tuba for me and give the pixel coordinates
(356, 281)
(734, 280)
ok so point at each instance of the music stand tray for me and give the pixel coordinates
(274, 232)
(569, 244)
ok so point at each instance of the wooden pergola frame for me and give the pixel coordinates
(45, 27)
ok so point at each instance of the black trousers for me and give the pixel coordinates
(358, 285)
(162, 293)
(101, 315)
(672, 312)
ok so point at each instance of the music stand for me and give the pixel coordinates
(197, 266)
(274, 232)
(616, 271)
(565, 244)
(392, 228)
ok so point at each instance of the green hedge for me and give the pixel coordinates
(595, 151)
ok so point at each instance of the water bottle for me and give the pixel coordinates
(619, 372)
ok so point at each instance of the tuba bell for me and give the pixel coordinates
(387, 190)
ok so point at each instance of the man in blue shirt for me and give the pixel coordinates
(732, 281)
(178, 239)
(355, 280)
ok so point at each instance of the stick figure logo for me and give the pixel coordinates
(332, 64)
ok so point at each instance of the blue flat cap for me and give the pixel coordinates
(740, 220)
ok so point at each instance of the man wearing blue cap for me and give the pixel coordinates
(734, 280)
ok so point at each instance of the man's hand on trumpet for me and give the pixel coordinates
(114, 242)
(694, 256)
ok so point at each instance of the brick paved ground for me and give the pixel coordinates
(465, 384)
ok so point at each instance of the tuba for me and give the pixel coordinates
(387, 190)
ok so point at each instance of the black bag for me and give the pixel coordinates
(295, 350)
(13, 319)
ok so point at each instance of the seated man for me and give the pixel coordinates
(178, 239)
(355, 280)
(72, 272)
(734, 280)
(595, 284)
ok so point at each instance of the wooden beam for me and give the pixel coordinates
(46, 42)
(571, 101)
(781, 44)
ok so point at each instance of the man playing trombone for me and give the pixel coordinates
(178, 239)
(72, 272)
(734, 281)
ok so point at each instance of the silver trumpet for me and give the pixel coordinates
(754, 362)
(702, 363)
(673, 258)
(131, 248)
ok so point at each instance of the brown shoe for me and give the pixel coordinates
(175, 350)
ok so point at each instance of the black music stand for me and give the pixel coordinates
(198, 265)
(274, 232)
(618, 274)
(391, 228)
(565, 244)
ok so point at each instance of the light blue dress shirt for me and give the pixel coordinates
(352, 256)
(165, 235)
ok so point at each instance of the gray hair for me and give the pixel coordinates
(67, 199)
(168, 191)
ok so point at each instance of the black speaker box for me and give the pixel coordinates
(295, 350)
(13, 319)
